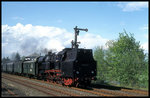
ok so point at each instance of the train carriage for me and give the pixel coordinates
(10, 67)
(29, 68)
(4, 67)
(18, 67)
(34, 67)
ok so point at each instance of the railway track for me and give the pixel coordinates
(112, 92)
(95, 91)
(101, 92)
(83, 90)
(69, 94)
(136, 91)
(105, 92)
(28, 85)
(35, 85)
(9, 91)
(123, 92)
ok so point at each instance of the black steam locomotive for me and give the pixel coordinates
(71, 66)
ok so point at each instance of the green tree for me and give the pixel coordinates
(17, 57)
(143, 77)
(127, 60)
(99, 57)
(5, 59)
(23, 57)
(123, 61)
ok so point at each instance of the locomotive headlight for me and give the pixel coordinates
(92, 71)
(77, 72)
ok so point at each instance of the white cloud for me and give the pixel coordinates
(90, 40)
(27, 39)
(132, 6)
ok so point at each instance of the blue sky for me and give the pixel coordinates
(104, 19)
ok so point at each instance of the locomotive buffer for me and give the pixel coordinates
(75, 44)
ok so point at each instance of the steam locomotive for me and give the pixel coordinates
(72, 66)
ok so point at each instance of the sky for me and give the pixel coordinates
(31, 26)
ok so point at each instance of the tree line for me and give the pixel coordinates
(15, 56)
(123, 62)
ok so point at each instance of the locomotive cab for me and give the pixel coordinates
(78, 65)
